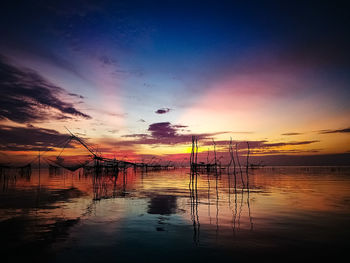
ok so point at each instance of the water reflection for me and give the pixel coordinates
(193, 190)
(239, 193)
(162, 205)
(206, 215)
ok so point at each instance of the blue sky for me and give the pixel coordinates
(263, 68)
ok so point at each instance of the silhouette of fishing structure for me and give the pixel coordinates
(236, 177)
(215, 166)
(193, 187)
(9, 174)
(97, 162)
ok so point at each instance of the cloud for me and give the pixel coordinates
(29, 138)
(168, 134)
(113, 131)
(291, 133)
(162, 110)
(76, 95)
(28, 97)
(240, 144)
(135, 135)
(163, 133)
(162, 130)
(291, 151)
(256, 144)
(346, 130)
(280, 144)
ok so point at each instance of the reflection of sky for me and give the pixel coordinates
(263, 68)
(294, 208)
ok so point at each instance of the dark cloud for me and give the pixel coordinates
(240, 144)
(27, 97)
(166, 133)
(291, 133)
(162, 110)
(346, 130)
(291, 151)
(163, 133)
(162, 129)
(141, 120)
(256, 144)
(76, 95)
(280, 144)
(29, 138)
(136, 135)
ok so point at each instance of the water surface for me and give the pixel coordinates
(287, 213)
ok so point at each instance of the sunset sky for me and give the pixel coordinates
(139, 78)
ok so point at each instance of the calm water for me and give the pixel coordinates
(295, 213)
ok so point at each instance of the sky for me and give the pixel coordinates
(137, 79)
